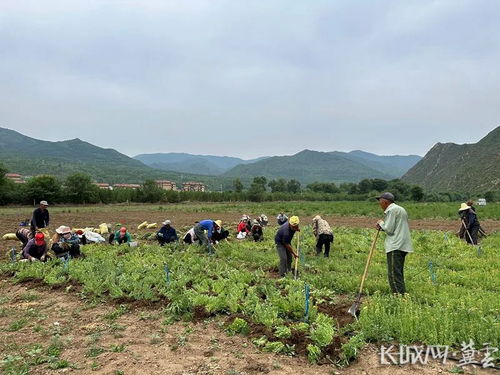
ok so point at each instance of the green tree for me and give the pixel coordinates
(364, 186)
(293, 186)
(237, 185)
(261, 182)
(278, 185)
(379, 184)
(4, 191)
(417, 193)
(43, 187)
(79, 188)
(489, 196)
(151, 192)
(257, 189)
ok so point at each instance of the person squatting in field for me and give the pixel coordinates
(36, 249)
(122, 236)
(281, 218)
(220, 234)
(323, 234)
(283, 240)
(469, 226)
(210, 226)
(243, 227)
(256, 231)
(65, 243)
(397, 241)
(167, 233)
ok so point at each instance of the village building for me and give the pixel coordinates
(126, 186)
(166, 185)
(193, 186)
(17, 178)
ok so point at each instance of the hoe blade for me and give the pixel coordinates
(354, 309)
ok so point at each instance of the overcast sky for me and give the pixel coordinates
(251, 78)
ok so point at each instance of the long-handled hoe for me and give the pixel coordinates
(297, 258)
(354, 309)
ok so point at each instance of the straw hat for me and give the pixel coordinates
(63, 229)
(463, 207)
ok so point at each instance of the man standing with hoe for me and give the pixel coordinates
(283, 240)
(397, 241)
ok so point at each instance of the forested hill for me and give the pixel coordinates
(28, 156)
(462, 168)
(309, 166)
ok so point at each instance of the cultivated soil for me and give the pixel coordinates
(137, 341)
(96, 340)
(9, 222)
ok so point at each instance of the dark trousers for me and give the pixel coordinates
(395, 266)
(62, 251)
(285, 260)
(22, 238)
(474, 231)
(324, 239)
(258, 237)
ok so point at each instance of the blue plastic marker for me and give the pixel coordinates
(66, 262)
(13, 256)
(431, 270)
(306, 314)
(167, 274)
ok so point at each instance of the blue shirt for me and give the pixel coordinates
(208, 225)
(284, 235)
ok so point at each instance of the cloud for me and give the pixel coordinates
(251, 78)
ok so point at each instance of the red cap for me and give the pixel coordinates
(123, 229)
(79, 232)
(39, 239)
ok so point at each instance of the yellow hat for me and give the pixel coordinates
(294, 220)
(218, 223)
(463, 207)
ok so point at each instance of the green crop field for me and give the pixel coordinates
(452, 288)
(343, 208)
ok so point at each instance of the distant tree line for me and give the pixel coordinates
(79, 188)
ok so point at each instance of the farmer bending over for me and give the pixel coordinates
(469, 226)
(283, 240)
(205, 240)
(36, 249)
(324, 235)
(220, 234)
(65, 243)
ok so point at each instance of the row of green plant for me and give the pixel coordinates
(453, 301)
(271, 209)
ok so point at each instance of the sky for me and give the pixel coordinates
(249, 78)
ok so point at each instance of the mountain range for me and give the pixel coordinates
(463, 168)
(308, 166)
(30, 156)
(446, 167)
(199, 164)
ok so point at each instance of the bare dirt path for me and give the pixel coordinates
(9, 222)
(107, 338)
